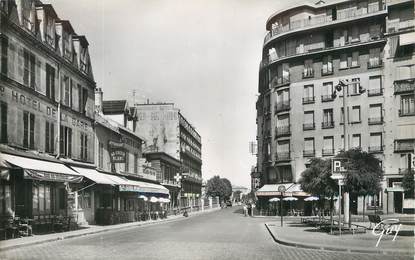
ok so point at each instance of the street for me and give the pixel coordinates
(223, 234)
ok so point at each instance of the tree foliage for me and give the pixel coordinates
(219, 187)
(364, 173)
(317, 179)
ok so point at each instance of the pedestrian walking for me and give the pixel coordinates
(245, 210)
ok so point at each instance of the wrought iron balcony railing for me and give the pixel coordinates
(282, 131)
(328, 124)
(282, 156)
(282, 106)
(309, 100)
(327, 152)
(309, 153)
(375, 120)
(375, 92)
(404, 86)
(327, 98)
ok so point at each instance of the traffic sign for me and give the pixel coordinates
(338, 165)
(337, 176)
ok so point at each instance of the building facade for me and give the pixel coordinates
(308, 49)
(166, 130)
(46, 108)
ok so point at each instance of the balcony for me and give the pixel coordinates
(326, 125)
(406, 112)
(282, 106)
(309, 153)
(404, 86)
(308, 73)
(326, 71)
(321, 20)
(375, 120)
(280, 81)
(374, 63)
(327, 98)
(375, 149)
(309, 126)
(400, 26)
(282, 131)
(309, 100)
(327, 152)
(403, 146)
(283, 156)
(375, 92)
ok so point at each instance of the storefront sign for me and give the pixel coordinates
(50, 176)
(117, 152)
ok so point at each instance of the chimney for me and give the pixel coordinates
(98, 100)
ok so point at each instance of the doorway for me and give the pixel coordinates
(397, 201)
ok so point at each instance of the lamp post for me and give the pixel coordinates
(281, 189)
(343, 85)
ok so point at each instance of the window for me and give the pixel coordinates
(83, 98)
(356, 142)
(309, 147)
(327, 92)
(374, 58)
(343, 61)
(355, 59)
(29, 77)
(327, 65)
(84, 147)
(3, 122)
(41, 198)
(308, 120)
(375, 114)
(283, 150)
(127, 155)
(28, 130)
(4, 59)
(341, 115)
(66, 93)
(101, 155)
(375, 86)
(355, 86)
(328, 145)
(308, 69)
(5, 198)
(136, 163)
(356, 114)
(375, 142)
(49, 137)
(355, 34)
(327, 117)
(407, 105)
(374, 31)
(308, 95)
(50, 82)
(66, 141)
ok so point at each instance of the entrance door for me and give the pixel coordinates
(397, 201)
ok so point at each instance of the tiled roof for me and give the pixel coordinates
(114, 106)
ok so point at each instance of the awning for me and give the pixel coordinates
(42, 170)
(95, 176)
(144, 188)
(407, 39)
(291, 189)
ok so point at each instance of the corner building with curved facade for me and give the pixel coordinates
(307, 50)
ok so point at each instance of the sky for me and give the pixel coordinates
(202, 55)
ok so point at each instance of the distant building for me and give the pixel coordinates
(166, 131)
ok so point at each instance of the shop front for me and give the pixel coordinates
(38, 189)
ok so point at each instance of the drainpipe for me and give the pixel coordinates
(59, 112)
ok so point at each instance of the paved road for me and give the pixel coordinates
(224, 234)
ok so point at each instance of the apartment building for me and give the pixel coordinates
(308, 49)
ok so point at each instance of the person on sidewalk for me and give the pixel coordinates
(245, 210)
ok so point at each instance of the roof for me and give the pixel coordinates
(48, 8)
(114, 106)
(82, 39)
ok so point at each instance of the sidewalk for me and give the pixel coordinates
(88, 230)
(300, 235)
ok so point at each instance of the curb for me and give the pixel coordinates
(110, 228)
(336, 249)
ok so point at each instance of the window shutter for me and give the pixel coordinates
(32, 131)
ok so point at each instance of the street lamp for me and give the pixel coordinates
(281, 189)
(343, 85)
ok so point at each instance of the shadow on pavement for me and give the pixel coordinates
(239, 211)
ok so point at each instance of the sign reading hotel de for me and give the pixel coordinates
(33, 104)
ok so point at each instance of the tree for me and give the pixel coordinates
(364, 174)
(317, 180)
(219, 187)
(408, 184)
(228, 188)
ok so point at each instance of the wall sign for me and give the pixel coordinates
(117, 152)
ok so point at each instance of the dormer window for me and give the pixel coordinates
(29, 18)
(50, 33)
(84, 62)
(67, 50)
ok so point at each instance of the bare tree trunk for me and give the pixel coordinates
(364, 205)
(331, 214)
